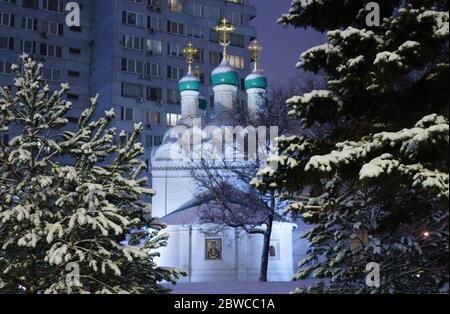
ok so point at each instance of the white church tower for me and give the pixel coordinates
(224, 78)
(231, 254)
(225, 81)
(255, 83)
(189, 87)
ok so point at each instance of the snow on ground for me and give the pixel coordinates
(234, 287)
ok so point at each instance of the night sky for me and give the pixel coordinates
(282, 46)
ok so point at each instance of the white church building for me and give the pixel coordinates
(208, 255)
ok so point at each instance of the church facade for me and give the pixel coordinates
(205, 252)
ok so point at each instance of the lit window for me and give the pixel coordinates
(173, 119)
(175, 5)
(236, 61)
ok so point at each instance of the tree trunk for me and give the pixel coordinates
(266, 246)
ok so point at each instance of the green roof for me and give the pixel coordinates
(188, 84)
(256, 82)
(225, 78)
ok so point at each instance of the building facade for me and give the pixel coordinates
(128, 51)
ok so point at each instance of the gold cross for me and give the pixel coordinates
(190, 52)
(198, 72)
(255, 50)
(225, 29)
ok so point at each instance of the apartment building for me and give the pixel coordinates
(128, 51)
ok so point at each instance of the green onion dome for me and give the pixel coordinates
(202, 103)
(189, 83)
(224, 74)
(256, 80)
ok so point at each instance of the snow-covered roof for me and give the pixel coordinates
(224, 74)
(256, 79)
(189, 213)
(223, 67)
(189, 82)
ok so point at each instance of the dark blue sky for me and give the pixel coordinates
(282, 46)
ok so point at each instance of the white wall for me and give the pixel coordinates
(242, 264)
(301, 246)
(173, 189)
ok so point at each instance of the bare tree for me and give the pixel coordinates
(224, 186)
(232, 202)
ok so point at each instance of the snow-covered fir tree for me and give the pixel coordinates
(372, 175)
(73, 216)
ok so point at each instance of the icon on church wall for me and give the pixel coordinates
(274, 250)
(214, 249)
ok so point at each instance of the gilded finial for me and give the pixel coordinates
(225, 28)
(255, 50)
(198, 72)
(190, 52)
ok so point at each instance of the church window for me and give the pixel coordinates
(272, 251)
(360, 239)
